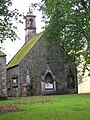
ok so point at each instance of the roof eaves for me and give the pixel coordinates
(2, 54)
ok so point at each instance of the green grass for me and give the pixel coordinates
(60, 107)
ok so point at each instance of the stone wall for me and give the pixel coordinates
(3, 91)
(13, 73)
(36, 62)
(61, 65)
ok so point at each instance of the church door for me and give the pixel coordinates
(48, 85)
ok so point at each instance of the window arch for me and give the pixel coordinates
(49, 83)
(48, 78)
(70, 80)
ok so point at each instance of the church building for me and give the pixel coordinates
(40, 70)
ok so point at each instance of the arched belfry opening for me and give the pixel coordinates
(48, 82)
(31, 23)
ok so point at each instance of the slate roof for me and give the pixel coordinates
(23, 51)
(2, 54)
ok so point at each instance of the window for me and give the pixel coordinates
(70, 80)
(48, 78)
(15, 80)
(28, 79)
(30, 23)
(48, 82)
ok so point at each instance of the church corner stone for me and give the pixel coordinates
(3, 86)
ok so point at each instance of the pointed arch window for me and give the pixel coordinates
(48, 82)
(70, 80)
(28, 79)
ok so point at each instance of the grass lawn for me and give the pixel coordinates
(58, 107)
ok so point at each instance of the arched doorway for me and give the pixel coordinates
(48, 83)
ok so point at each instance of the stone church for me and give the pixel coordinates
(40, 70)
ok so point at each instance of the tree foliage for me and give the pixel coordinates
(68, 23)
(7, 17)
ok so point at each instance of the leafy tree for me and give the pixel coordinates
(7, 16)
(68, 23)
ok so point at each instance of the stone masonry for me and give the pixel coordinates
(36, 61)
(3, 90)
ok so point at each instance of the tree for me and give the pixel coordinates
(68, 24)
(7, 16)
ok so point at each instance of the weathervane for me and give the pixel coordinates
(30, 10)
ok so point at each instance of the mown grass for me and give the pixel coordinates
(60, 107)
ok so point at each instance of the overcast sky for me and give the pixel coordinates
(11, 48)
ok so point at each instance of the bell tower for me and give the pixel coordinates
(30, 25)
